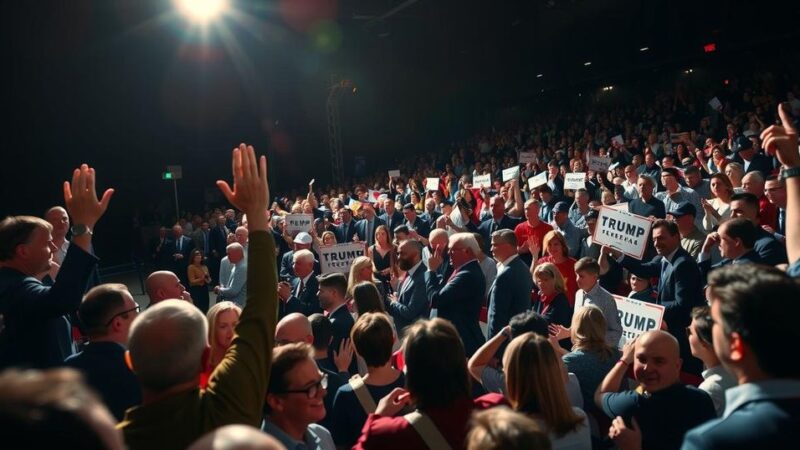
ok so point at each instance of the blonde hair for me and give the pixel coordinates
(535, 384)
(358, 264)
(549, 270)
(553, 234)
(212, 315)
(588, 331)
(326, 234)
(503, 429)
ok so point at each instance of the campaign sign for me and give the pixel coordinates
(527, 157)
(373, 196)
(482, 181)
(296, 223)
(623, 231)
(339, 258)
(432, 184)
(575, 181)
(394, 173)
(511, 173)
(538, 180)
(599, 163)
(618, 140)
(637, 317)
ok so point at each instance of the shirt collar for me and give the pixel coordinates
(671, 256)
(307, 277)
(507, 261)
(413, 270)
(738, 396)
(594, 290)
(310, 440)
(333, 311)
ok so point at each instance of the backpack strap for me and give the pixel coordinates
(362, 393)
(427, 430)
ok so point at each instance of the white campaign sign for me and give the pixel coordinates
(599, 163)
(511, 173)
(637, 317)
(538, 180)
(575, 181)
(339, 258)
(618, 140)
(432, 184)
(527, 157)
(623, 231)
(296, 223)
(619, 206)
(482, 181)
(394, 173)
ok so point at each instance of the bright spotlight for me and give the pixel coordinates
(201, 11)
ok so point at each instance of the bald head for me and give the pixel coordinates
(237, 437)
(295, 327)
(657, 361)
(438, 237)
(164, 285)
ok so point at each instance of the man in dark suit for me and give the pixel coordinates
(346, 230)
(365, 228)
(300, 293)
(754, 311)
(771, 251)
(459, 299)
(510, 293)
(415, 223)
(410, 303)
(303, 241)
(332, 291)
(751, 159)
(161, 258)
(431, 214)
(180, 248)
(217, 243)
(107, 312)
(498, 220)
(391, 216)
(679, 284)
(735, 238)
(646, 204)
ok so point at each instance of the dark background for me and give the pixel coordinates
(130, 87)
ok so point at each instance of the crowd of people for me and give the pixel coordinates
(477, 317)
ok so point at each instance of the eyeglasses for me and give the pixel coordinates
(312, 390)
(136, 308)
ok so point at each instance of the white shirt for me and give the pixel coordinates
(503, 264)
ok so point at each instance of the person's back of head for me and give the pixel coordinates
(332, 290)
(755, 309)
(742, 229)
(168, 344)
(436, 365)
(367, 298)
(54, 409)
(588, 331)
(294, 327)
(322, 330)
(16, 231)
(535, 384)
(100, 309)
(237, 437)
(163, 285)
(373, 337)
(503, 429)
(529, 321)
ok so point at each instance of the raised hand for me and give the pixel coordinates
(250, 192)
(436, 259)
(344, 356)
(782, 139)
(393, 403)
(533, 246)
(80, 197)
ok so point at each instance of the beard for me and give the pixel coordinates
(404, 264)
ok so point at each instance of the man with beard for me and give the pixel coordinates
(410, 301)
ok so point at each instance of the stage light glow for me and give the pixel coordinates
(587, 63)
(644, 49)
(201, 11)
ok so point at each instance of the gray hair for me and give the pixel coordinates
(467, 240)
(505, 236)
(303, 255)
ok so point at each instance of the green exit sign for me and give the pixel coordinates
(166, 176)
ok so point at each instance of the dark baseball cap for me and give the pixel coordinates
(561, 207)
(684, 209)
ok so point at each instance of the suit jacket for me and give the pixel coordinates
(361, 230)
(487, 227)
(771, 251)
(341, 324)
(103, 365)
(392, 222)
(679, 292)
(459, 300)
(179, 266)
(339, 230)
(510, 294)
(218, 240)
(307, 302)
(751, 257)
(287, 266)
(431, 217)
(412, 301)
(760, 162)
(236, 288)
(421, 226)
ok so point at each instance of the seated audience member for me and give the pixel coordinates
(775, 189)
(433, 352)
(718, 208)
(557, 254)
(641, 288)
(484, 367)
(25, 251)
(54, 409)
(222, 320)
(503, 429)
(655, 356)
(106, 314)
(294, 399)
(716, 378)
(590, 292)
(296, 328)
(646, 204)
(754, 310)
(168, 343)
(534, 386)
(771, 251)
(410, 302)
(510, 293)
(165, 285)
(591, 357)
(236, 288)
(735, 239)
(753, 183)
(300, 293)
(551, 302)
(372, 337)
(236, 437)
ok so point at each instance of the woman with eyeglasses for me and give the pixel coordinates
(716, 379)
(295, 399)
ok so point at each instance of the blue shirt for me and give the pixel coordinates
(590, 369)
(316, 437)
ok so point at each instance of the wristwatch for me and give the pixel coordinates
(80, 230)
(790, 172)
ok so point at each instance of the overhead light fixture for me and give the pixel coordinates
(587, 63)
(539, 75)
(688, 71)
(608, 88)
(644, 49)
(201, 11)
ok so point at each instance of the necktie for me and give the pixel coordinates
(205, 242)
(180, 242)
(300, 288)
(663, 277)
(345, 232)
(369, 232)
